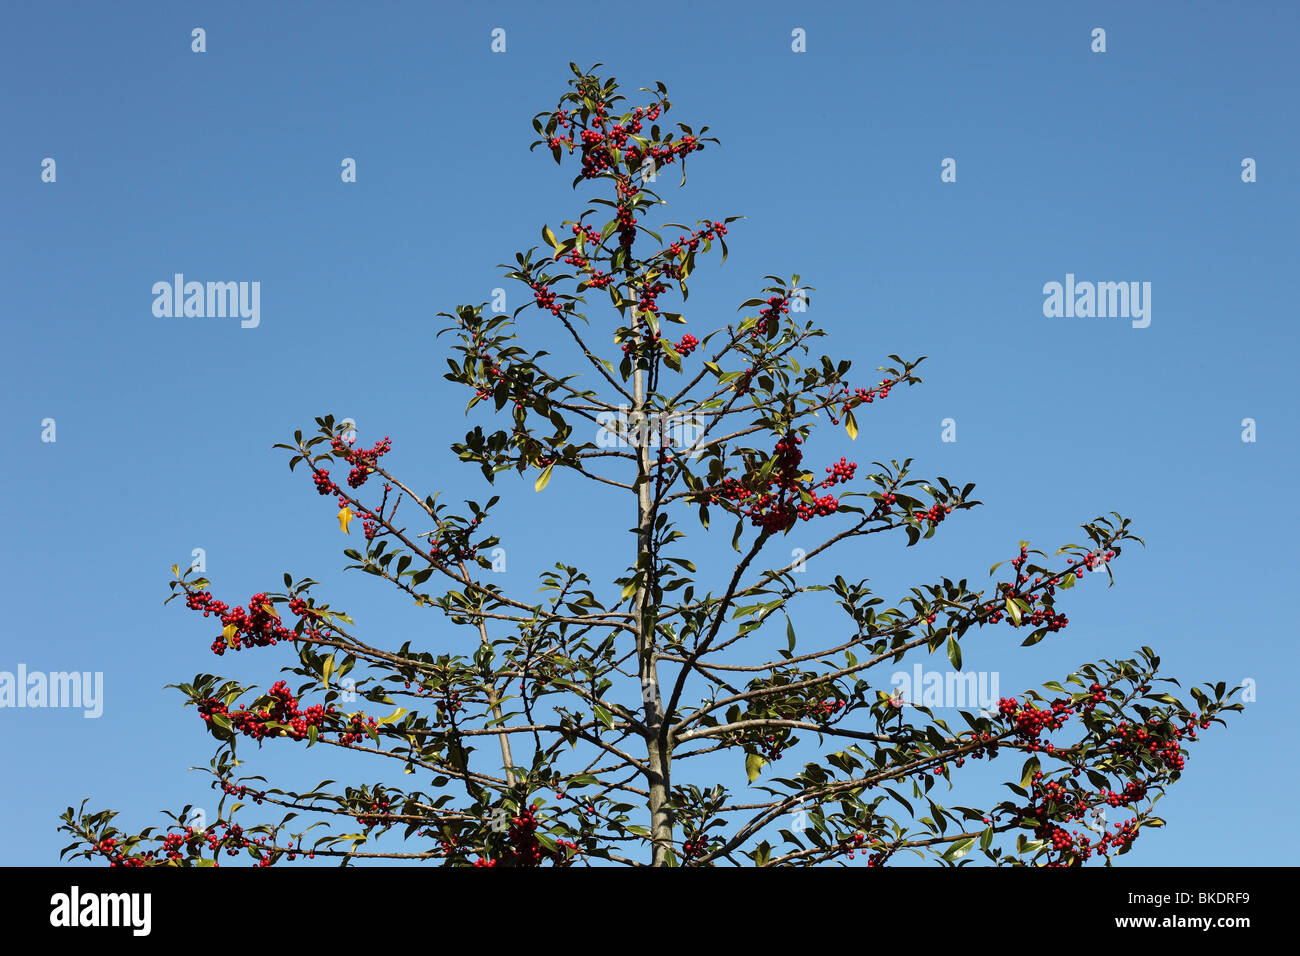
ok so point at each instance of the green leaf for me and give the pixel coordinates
(550, 237)
(1031, 767)
(954, 652)
(543, 479)
(753, 766)
(959, 849)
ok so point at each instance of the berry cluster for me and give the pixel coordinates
(363, 462)
(687, 345)
(869, 395)
(280, 718)
(259, 626)
(588, 233)
(447, 708)
(598, 143)
(1049, 799)
(771, 747)
(1161, 740)
(300, 608)
(1092, 561)
(523, 849)
(595, 278)
(841, 471)
(1098, 695)
(188, 844)
(777, 510)
(1042, 616)
(1133, 791)
(234, 842)
(770, 315)
(1029, 721)
(359, 726)
(693, 849)
(934, 514)
(853, 844)
(648, 341)
(544, 296)
(626, 225)
(663, 155)
(648, 301)
(376, 814)
(241, 791)
(1124, 835)
(324, 484)
(692, 242)
(108, 847)
(1073, 848)
(859, 397)
(822, 710)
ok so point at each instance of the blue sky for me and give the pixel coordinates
(1115, 166)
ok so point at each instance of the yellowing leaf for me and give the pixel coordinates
(345, 516)
(851, 425)
(1014, 610)
(753, 766)
(228, 633)
(543, 479)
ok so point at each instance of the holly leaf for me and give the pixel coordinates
(543, 479)
(1014, 610)
(959, 849)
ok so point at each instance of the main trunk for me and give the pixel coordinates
(658, 753)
